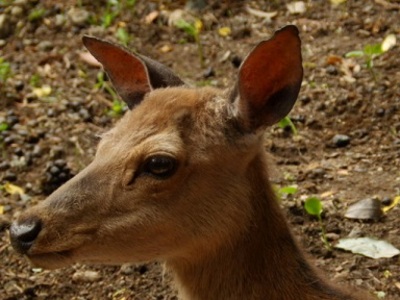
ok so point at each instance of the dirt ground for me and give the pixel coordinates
(53, 109)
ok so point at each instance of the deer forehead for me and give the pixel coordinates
(168, 118)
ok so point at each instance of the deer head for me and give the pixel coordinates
(172, 176)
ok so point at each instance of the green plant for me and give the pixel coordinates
(286, 122)
(5, 70)
(193, 30)
(118, 106)
(372, 51)
(313, 206)
(35, 80)
(111, 12)
(287, 190)
(36, 14)
(3, 126)
(123, 36)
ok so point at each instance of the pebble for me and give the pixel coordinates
(386, 201)
(5, 26)
(127, 269)
(10, 176)
(86, 276)
(209, 72)
(17, 11)
(59, 20)
(340, 140)
(78, 16)
(331, 70)
(45, 46)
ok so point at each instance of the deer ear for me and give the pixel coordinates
(269, 79)
(133, 76)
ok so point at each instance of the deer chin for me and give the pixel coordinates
(52, 260)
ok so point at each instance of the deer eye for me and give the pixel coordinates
(160, 166)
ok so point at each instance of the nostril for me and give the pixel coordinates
(24, 234)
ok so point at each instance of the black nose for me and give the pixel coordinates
(24, 234)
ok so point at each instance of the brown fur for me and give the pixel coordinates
(215, 223)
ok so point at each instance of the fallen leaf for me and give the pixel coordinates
(394, 203)
(224, 31)
(151, 17)
(368, 247)
(166, 48)
(296, 8)
(388, 42)
(1, 209)
(262, 14)
(42, 91)
(13, 189)
(366, 209)
(337, 2)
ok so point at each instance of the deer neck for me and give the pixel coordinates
(264, 261)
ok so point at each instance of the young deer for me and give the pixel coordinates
(182, 179)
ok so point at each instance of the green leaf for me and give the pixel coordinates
(375, 49)
(287, 122)
(3, 126)
(190, 29)
(288, 190)
(313, 206)
(5, 70)
(123, 36)
(357, 53)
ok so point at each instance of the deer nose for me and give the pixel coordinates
(24, 234)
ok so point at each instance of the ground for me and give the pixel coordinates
(53, 106)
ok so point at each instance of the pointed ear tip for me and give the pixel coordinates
(87, 39)
(290, 28)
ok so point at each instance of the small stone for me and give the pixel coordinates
(78, 16)
(209, 72)
(86, 276)
(84, 114)
(10, 176)
(54, 170)
(380, 112)
(331, 236)
(331, 70)
(340, 140)
(19, 85)
(45, 46)
(4, 165)
(61, 163)
(16, 11)
(386, 201)
(5, 26)
(127, 269)
(59, 20)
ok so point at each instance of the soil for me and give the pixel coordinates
(51, 135)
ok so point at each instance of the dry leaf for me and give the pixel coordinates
(13, 189)
(151, 17)
(224, 31)
(42, 91)
(366, 209)
(395, 201)
(388, 43)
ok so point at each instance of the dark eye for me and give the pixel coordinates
(160, 166)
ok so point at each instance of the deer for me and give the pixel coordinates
(183, 179)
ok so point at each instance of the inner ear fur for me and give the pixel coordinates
(269, 79)
(133, 76)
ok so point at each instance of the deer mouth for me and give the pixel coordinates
(51, 260)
